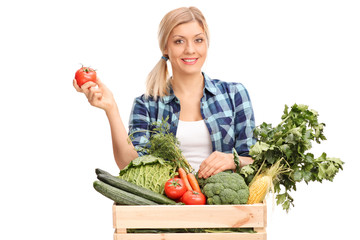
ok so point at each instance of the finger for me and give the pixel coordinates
(97, 97)
(100, 83)
(208, 172)
(208, 160)
(206, 164)
(214, 169)
(86, 87)
(209, 169)
(215, 163)
(76, 86)
(96, 100)
(93, 92)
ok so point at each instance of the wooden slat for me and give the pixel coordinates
(192, 236)
(190, 216)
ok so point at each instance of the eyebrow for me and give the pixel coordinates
(184, 37)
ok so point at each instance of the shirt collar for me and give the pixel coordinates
(168, 98)
(209, 86)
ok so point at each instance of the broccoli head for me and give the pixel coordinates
(225, 188)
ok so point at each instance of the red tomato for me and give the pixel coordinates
(85, 74)
(175, 188)
(193, 198)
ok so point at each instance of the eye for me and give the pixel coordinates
(199, 40)
(179, 41)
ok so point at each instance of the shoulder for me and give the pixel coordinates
(147, 104)
(141, 105)
(224, 86)
(145, 101)
(230, 86)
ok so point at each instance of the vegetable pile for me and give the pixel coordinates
(281, 159)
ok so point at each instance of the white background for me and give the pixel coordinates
(284, 52)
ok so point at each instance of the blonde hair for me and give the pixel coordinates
(157, 84)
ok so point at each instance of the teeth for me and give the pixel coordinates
(189, 60)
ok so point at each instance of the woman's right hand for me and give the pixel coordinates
(97, 94)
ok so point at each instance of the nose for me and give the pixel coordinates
(190, 48)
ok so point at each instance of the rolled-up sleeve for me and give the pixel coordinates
(244, 121)
(139, 122)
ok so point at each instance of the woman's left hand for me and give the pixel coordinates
(215, 163)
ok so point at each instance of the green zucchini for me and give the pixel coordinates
(119, 196)
(135, 189)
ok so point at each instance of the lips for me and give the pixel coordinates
(189, 61)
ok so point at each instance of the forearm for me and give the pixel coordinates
(124, 151)
(242, 160)
(245, 161)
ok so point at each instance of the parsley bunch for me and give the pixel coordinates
(290, 142)
(164, 144)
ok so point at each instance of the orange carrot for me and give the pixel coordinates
(194, 183)
(183, 176)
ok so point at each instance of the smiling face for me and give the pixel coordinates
(187, 48)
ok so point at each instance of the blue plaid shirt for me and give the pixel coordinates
(225, 107)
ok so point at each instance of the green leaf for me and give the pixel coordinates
(143, 160)
(309, 158)
(290, 139)
(298, 176)
(286, 150)
(336, 161)
(286, 205)
(307, 176)
(296, 131)
(286, 112)
(247, 170)
(280, 141)
(322, 171)
(280, 198)
(258, 148)
(308, 167)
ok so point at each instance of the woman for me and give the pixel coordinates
(209, 117)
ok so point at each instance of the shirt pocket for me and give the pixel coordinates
(227, 129)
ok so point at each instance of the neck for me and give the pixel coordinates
(183, 84)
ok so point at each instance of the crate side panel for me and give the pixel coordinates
(190, 216)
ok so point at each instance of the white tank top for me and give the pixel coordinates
(195, 141)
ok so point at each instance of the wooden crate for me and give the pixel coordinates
(190, 216)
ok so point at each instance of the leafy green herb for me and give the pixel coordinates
(162, 143)
(290, 141)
